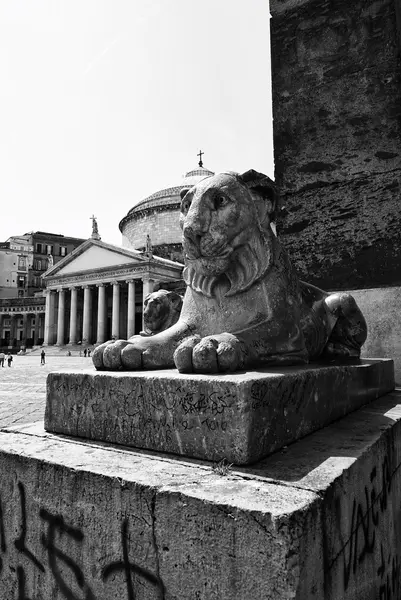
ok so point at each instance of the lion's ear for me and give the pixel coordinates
(264, 187)
(184, 192)
(176, 300)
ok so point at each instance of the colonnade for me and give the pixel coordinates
(27, 328)
(81, 313)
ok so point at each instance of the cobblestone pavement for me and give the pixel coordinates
(23, 386)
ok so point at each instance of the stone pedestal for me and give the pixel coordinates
(318, 520)
(241, 417)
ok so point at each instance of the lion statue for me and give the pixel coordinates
(244, 306)
(161, 310)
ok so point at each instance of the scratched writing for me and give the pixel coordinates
(213, 403)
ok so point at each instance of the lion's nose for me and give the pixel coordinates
(196, 222)
(192, 235)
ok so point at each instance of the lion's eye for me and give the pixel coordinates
(219, 202)
(185, 206)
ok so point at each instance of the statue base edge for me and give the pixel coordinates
(240, 417)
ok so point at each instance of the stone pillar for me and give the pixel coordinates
(337, 110)
(73, 316)
(87, 317)
(24, 329)
(101, 314)
(1, 326)
(49, 318)
(61, 317)
(148, 285)
(115, 325)
(13, 329)
(131, 309)
(37, 329)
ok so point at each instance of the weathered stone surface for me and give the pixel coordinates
(355, 466)
(320, 520)
(336, 83)
(241, 417)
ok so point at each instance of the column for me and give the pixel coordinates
(13, 329)
(37, 329)
(101, 314)
(148, 285)
(73, 316)
(49, 318)
(24, 329)
(115, 318)
(131, 309)
(1, 326)
(61, 317)
(87, 317)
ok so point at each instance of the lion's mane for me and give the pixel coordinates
(248, 263)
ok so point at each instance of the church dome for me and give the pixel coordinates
(158, 216)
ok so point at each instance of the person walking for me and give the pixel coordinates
(9, 359)
(89, 352)
(85, 352)
(42, 357)
(2, 357)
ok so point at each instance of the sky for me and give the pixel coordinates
(104, 102)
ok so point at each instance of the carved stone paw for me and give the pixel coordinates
(108, 356)
(133, 355)
(211, 354)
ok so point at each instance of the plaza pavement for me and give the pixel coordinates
(23, 386)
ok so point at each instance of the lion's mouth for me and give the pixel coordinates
(210, 250)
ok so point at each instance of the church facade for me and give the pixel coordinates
(96, 293)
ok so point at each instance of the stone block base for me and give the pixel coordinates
(317, 521)
(241, 417)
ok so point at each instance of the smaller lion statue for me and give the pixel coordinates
(161, 310)
(244, 305)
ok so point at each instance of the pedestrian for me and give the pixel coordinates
(2, 357)
(89, 352)
(85, 351)
(9, 359)
(42, 357)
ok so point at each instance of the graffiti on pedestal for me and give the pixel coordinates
(128, 568)
(364, 535)
(58, 562)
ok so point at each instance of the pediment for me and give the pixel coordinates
(94, 255)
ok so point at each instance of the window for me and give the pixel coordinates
(21, 281)
(32, 321)
(63, 250)
(49, 249)
(39, 248)
(21, 263)
(38, 265)
(20, 293)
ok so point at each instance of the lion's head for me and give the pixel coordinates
(161, 310)
(227, 236)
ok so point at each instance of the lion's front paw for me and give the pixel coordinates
(116, 355)
(211, 354)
